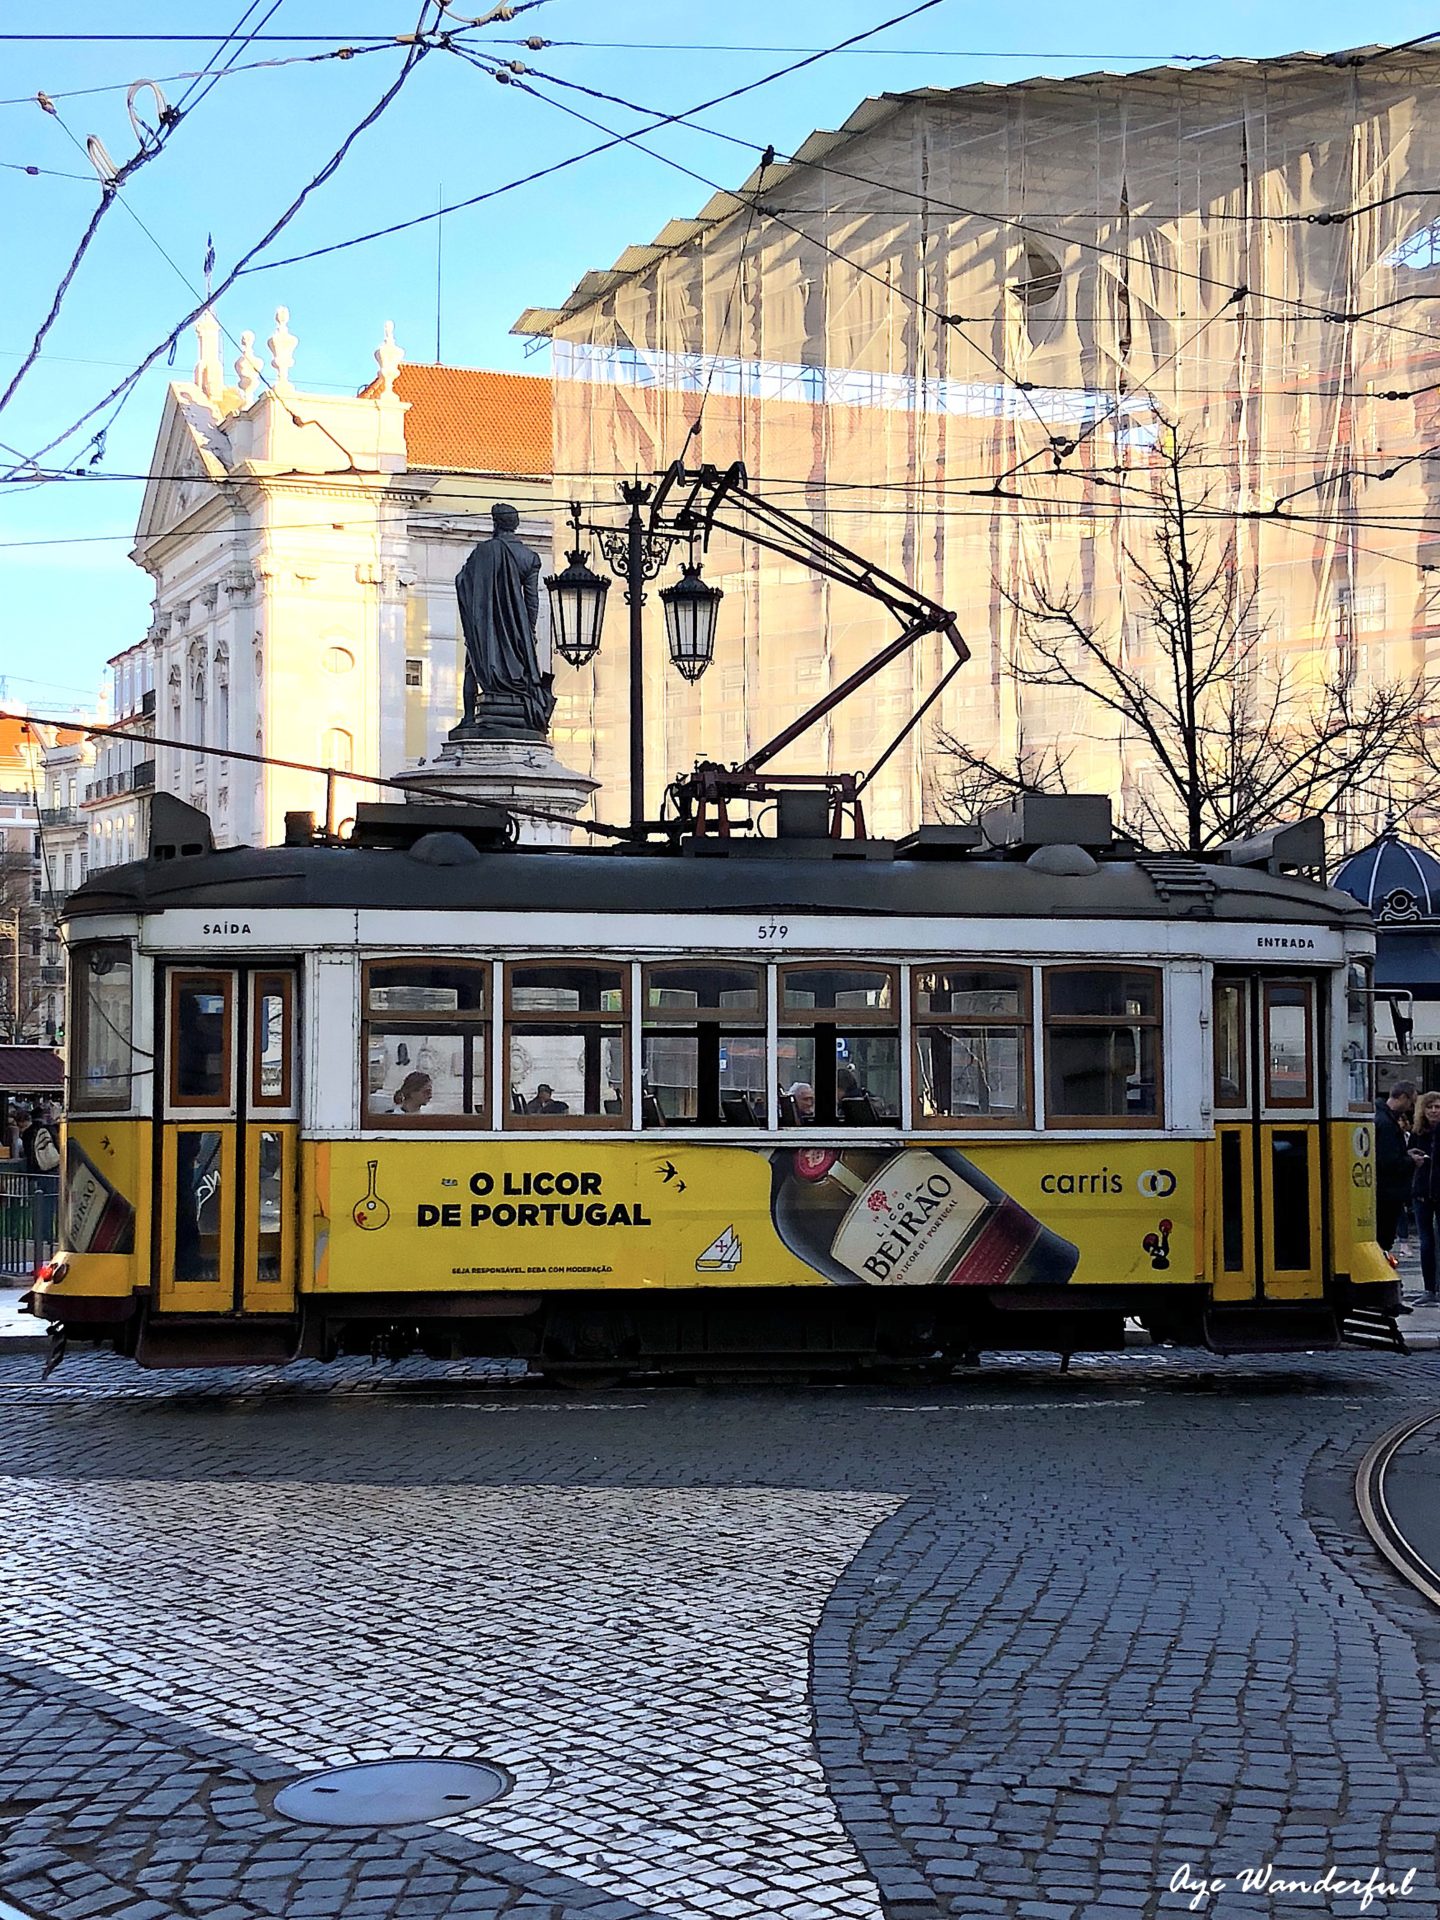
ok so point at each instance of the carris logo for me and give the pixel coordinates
(1157, 1183)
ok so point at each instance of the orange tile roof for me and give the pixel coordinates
(18, 743)
(468, 420)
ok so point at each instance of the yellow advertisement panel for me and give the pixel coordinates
(103, 1225)
(422, 1215)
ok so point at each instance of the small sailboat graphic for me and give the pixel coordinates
(371, 1213)
(722, 1255)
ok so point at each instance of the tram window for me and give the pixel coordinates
(198, 1205)
(101, 1059)
(838, 1061)
(1102, 1045)
(700, 1065)
(1288, 1028)
(569, 1073)
(201, 1010)
(270, 1047)
(971, 1027)
(567, 1054)
(1231, 1033)
(426, 1043)
(1359, 1041)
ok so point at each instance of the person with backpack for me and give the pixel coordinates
(40, 1148)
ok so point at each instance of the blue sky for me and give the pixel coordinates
(73, 597)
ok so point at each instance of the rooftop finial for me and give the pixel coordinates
(388, 356)
(282, 344)
(247, 369)
(209, 374)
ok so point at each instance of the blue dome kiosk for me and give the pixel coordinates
(1400, 884)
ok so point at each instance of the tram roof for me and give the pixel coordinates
(873, 880)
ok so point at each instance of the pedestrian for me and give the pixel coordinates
(1394, 1169)
(41, 1152)
(1425, 1188)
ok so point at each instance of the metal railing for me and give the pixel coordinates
(29, 1212)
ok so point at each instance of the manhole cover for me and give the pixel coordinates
(389, 1793)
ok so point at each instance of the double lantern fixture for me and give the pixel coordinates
(578, 595)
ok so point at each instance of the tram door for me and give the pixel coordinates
(229, 1141)
(1268, 1241)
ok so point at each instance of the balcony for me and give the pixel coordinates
(142, 776)
(147, 704)
(52, 976)
(58, 816)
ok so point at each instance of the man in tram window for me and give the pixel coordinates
(545, 1102)
(800, 1110)
(1394, 1169)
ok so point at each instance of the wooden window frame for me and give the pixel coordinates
(1078, 1022)
(1270, 1103)
(475, 1027)
(226, 1101)
(263, 986)
(788, 1019)
(565, 1020)
(1232, 1109)
(79, 1025)
(691, 1023)
(1021, 1023)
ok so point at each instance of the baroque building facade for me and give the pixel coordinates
(303, 548)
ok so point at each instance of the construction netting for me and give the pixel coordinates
(953, 336)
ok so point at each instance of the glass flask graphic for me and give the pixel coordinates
(371, 1213)
(911, 1217)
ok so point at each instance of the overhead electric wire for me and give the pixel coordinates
(414, 55)
(589, 153)
(341, 52)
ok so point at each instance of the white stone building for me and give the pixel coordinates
(303, 548)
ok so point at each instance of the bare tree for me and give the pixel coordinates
(973, 782)
(1233, 743)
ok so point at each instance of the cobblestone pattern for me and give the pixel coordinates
(1046, 1692)
(1099, 1638)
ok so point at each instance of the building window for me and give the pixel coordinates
(414, 673)
(1102, 1045)
(339, 750)
(338, 660)
(425, 1043)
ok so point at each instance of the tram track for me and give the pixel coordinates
(1375, 1496)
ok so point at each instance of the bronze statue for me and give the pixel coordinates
(499, 593)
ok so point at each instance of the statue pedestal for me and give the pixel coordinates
(507, 772)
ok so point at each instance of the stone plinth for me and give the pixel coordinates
(516, 773)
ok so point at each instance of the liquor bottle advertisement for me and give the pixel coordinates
(95, 1216)
(532, 1214)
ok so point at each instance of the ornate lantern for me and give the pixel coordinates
(577, 609)
(691, 611)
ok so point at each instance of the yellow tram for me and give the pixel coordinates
(720, 1102)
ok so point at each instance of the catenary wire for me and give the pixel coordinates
(414, 55)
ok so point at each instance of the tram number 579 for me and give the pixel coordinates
(772, 930)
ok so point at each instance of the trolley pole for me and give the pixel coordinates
(636, 494)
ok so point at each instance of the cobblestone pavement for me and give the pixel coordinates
(1020, 1645)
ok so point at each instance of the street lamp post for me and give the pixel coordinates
(635, 553)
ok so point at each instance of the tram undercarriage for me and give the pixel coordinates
(727, 1330)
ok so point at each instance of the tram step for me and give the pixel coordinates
(234, 1343)
(1292, 1330)
(1365, 1327)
